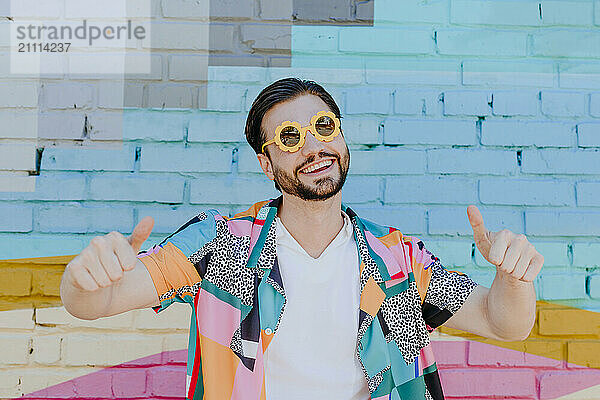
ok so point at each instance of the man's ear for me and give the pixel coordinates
(266, 165)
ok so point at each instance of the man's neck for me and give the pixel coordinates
(314, 224)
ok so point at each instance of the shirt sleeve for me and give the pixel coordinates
(177, 263)
(443, 292)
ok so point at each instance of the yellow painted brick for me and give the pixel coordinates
(553, 349)
(569, 322)
(14, 348)
(108, 349)
(177, 316)
(60, 316)
(9, 384)
(47, 282)
(15, 282)
(17, 319)
(585, 353)
(46, 349)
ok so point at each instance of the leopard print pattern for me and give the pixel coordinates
(362, 329)
(193, 289)
(370, 268)
(236, 342)
(268, 253)
(402, 313)
(448, 290)
(428, 395)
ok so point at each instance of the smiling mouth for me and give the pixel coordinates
(318, 167)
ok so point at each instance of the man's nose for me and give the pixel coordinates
(311, 144)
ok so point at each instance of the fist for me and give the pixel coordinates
(104, 261)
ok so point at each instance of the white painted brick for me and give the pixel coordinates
(170, 96)
(177, 316)
(14, 348)
(46, 349)
(276, 9)
(17, 181)
(32, 8)
(18, 94)
(111, 9)
(67, 95)
(17, 157)
(175, 341)
(267, 36)
(188, 68)
(186, 9)
(115, 65)
(119, 94)
(61, 125)
(9, 384)
(178, 36)
(59, 316)
(18, 125)
(17, 319)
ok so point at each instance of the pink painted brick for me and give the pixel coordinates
(558, 383)
(174, 357)
(166, 381)
(65, 390)
(483, 354)
(450, 352)
(94, 385)
(129, 382)
(473, 382)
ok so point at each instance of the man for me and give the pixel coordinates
(298, 297)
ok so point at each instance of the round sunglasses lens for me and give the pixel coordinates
(325, 126)
(289, 136)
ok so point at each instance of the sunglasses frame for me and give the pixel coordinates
(302, 130)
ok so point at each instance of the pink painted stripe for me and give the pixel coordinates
(216, 319)
(383, 252)
(426, 357)
(239, 227)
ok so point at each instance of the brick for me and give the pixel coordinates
(21, 125)
(368, 101)
(508, 73)
(411, 11)
(580, 75)
(481, 42)
(362, 130)
(584, 353)
(46, 349)
(153, 125)
(474, 12)
(163, 158)
(561, 322)
(490, 383)
(554, 286)
(15, 348)
(34, 245)
(236, 74)
(20, 157)
(417, 102)
(138, 188)
(97, 385)
(561, 162)
(526, 192)
(450, 353)
(325, 76)
(9, 384)
(177, 316)
(267, 36)
(448, 132)
(559, 43)
(134, 8)
(594, 282)
(15, 282)
(102, 65)
(361, 189)
(489, 355)
(430, 190)
(576, 13)
(396, 161)
(167, 219)
(188, 67)
(247, 161)
(118, 95)
(225, 97)
(17, 319)
(386, 40)
(587, 194)
(314, 10)
(412, 72)
(221, 37)
(178, 36)
(186, 9)
(555, 253)
(16, 218)
(66, 95)
(166, 381)
(588, 135)
(129, 382)
(171, 96)
(86, 159)
(463, 102)
(47, 283)
(409, 220)
(276, 9)
(562, 223)
(59, 316)
(595, 104)
(569, 383)
(61, 125)
(586, 254)
(84, 219)
(527, 133)
(452, 253)
(454, 220)
(21, 95)
(53, 383)
(213, 127)
(515, 103)
(241, 191)
(563, 104)
(458, 161)
(314, 39)
(52, 187)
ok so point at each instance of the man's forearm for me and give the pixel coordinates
(84, 304)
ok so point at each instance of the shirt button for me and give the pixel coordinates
(268, 331)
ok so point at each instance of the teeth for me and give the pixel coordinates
(315, 167)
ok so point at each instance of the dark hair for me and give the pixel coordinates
(278, 92)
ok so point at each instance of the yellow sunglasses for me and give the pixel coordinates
(290, 135)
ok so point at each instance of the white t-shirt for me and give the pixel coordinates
(312, 355)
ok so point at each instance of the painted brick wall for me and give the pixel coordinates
(446, 103)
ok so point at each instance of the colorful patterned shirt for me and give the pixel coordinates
(227, 270)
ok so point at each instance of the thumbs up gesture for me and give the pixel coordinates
(103, 262)
(511, 253)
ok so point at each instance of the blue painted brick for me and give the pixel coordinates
(448, 132)
(368, 101)
(482, 42)
(562, 285)
(85, 159)
(247, 160)
(213, 127)
(154, 125)
(325, 76)
(231, 190)
(571, 162)
(508, 73)
(594, 286)
(586, 254)
(394, 12)
(459, 161)
(417, 102)
(563, 223)
(566, 43)
(84, 219)
(225, 97)
(515, 103)
(167, 219)
(563, 104)
(177, 158)
(588, 194)
(361, 189)
(530, 192)
(402, 71)
(51, 186)
(451, 252)
(36, 245)
(588, 134)
(454, 220)
(231, 74)
(408, 220)
(576, 13)
(579, 75)
(315, 39)
(467, 102)
(139, 188)
(16, 218)
(527, 133)
(387, 162)
(362, 130)
(494, 13)
(595, 105)
(430, 190)
(386, 40)
(555, 253)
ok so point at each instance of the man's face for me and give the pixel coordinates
(292, 171)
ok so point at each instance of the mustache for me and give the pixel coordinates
(311, 159)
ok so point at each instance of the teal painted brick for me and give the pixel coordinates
(596, 12)
(16, 218)
(515, 103)
(153, 125)
(508, 73)
(365, 100)
(332, 60)
(588, 194)
(527, 133)
(395, 71)
(325, 76)
(484, 277)
(529, 192)
(411, 11)
(408, 220)
(193, 158)
(51, 186)
(481, 42)
(586, 254)
(576, 13)
(225, 97)
(459, 161)
(595, 105)
(247, 160)
(594, 282)
(387, 162)
(138, 188)
(562, 285)
(85, 159)
(37, 245)
(417, 102)
(562, 223)
(362, 130)
(315, 39)
(555, 253)
(231, 190)
(361, 189)
(84, 219)
(451, 252)
(579, 75)
(448, 132)
(430, 190)
(563, 104)
(167, 219)
(477, 12)
(561, 43)
(212, 127)
(386, 40)
(467, 102)
(568, 162)
(454, 220)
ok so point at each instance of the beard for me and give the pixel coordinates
(323, 188)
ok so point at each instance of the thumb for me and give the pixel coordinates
(480, 232)
(140, 233)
